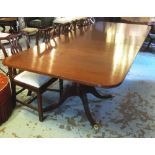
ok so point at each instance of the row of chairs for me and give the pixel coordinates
(64, 25)
(151, 37)
(33, 82)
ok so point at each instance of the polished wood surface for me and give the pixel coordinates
(98, 55)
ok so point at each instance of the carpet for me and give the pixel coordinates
(131, 113)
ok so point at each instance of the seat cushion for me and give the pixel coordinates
(152, 36)
(4, 35)
(29, 30)
(33, 79)
(36, 23)
(62, 20)
(4, 41)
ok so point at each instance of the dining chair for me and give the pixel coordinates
(22, 27)
(47, 36)
(151, 36)
(26, 80)
(1, 54)
(39, 22)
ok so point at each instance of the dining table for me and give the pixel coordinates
(97, 55)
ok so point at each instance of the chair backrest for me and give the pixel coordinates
(16, 45)
(46, 35)
(14, 42)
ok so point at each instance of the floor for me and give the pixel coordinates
(131, 113)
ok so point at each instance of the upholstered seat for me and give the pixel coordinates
(39, 22)
(35, 23)
(33, 79)
(62, 20)
(152, 35)
(30, 30)
(4, 35)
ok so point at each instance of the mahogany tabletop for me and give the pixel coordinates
(98, 55)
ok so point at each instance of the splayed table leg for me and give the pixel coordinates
(75, 89)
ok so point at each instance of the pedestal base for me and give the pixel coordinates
(81, 90)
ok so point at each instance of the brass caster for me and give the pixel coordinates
(96, 126)
(113, 95)
(110, 96)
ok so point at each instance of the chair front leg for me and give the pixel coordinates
(29, 93)
(40, 109)
(149, 43)
(13, 87)
(61, 87)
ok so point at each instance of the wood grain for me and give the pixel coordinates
(98, 55)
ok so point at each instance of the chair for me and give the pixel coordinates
(46, 34)
(1, 54)
(63, 25)
(151, 36)
(39, 22)
(27, 80)
(22, 27)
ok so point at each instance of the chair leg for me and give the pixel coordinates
(29, 37)
(40, 110)
(149, 44)
(29, 93)
(61, 87)
(13, 92)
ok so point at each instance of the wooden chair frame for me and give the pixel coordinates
(16, 48)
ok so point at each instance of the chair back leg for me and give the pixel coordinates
(40, 109)
(61, 87)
